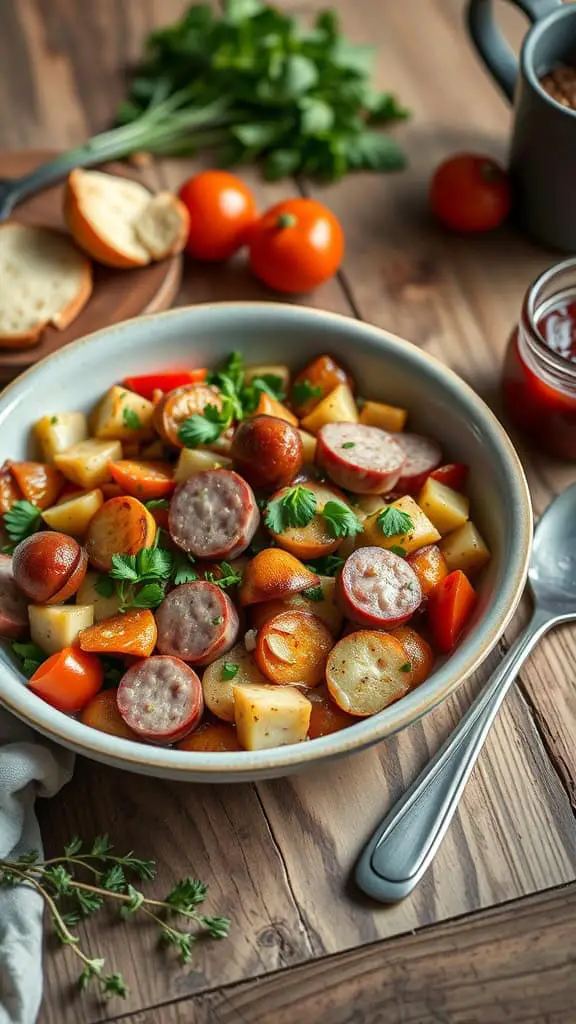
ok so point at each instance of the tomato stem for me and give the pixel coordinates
(286, 220)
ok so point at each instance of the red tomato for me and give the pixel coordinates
(68, 679)
(296, 246)
(221, 209)
(151, 382)
(453, 474)
(449, 607)
(470, 193)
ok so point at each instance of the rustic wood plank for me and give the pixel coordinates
(513, 964)
(282, 874)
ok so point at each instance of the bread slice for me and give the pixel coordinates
(44, 279)
(120, 223)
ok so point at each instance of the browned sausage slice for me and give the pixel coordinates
(423, 455)
(359, 458)
(196, 622)
(214, 514)
(378, 589)
(160, 699)
(13, 604)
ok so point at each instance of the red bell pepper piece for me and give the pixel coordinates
(449, 607)
(453, 474)
(149, 383)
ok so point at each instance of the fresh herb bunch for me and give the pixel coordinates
(69, 899)
(254, 84)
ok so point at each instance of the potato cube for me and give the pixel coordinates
(386, 417)
(422, 531)
(270, 716)
(337, 407)
(122, 415)
(309, 446)
(53, 627)
(368, 504)
(192, 461)
(86, 463)
(269, 369)
(465, 549)
(104, 607)
(73, 516)
(57, 433)
(445, 507)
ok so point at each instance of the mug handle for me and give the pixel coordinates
(491, 44)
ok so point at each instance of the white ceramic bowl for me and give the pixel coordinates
(385, 367)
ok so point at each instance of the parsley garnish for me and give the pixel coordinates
(30, 656)
(131, 419)
(184, 571)
(22, 520)
(397, 550)
(230, 577)
(157, 503)
(139, 580)
(406, 667)
(53, 420)
(349, 444)
(296, 507)
(341, 520)
(314, 594)
(218, 620)
(393, 522)
(329, 565)
(105, 586)
(229, 670)
(206, 428)
(268, 384)
(303, 391)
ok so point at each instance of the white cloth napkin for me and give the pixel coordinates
(29, 767)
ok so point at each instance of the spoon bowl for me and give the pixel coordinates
(552, 570)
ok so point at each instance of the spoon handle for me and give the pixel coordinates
(403, 846)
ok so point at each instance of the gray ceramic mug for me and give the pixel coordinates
(543, 150)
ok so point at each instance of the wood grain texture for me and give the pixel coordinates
(514, 964)
(278, 856)
(115, 296)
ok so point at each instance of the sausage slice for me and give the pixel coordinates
(214, 514)
(360, 458)
(160, 699)
(422, 455)
(196, 622)
(13, 604)
(378, 589)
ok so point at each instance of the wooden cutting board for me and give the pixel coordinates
(117, 295)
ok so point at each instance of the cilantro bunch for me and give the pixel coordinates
(252, 84)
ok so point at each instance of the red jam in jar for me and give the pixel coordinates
(539, 381)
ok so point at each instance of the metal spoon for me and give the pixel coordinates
(404, 845)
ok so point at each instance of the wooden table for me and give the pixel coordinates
(490, 934)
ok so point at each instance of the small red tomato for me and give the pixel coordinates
(470, 193)
(296, 246)
(221, 209)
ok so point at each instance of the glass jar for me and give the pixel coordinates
(539, 377)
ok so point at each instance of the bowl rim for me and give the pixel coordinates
(209, 766)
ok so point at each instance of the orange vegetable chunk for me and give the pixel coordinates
(143, 480)
(273, 573)
(40, 484)
(293, 647)
(133, 632)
